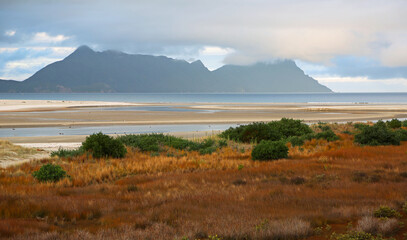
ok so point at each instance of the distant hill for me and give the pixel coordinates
(110, 71)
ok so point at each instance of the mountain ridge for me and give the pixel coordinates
(86, 70)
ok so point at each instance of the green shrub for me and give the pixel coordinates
(377, 134)
(404, 123)
(254, 132)
(328, 135)
(222, 143)
(289, 127)
(272, 131)
(49, 173)
(386, 212)
(67, 153)
(270, 150)
(405, 207)
(394, 123)
(299, 140)
(158, 142)
(102, 146)
(208, 150)
(354, 235)
(401, 134)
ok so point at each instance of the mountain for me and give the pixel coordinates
(110, 71)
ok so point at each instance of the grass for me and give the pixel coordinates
(9, 150)
(178, 194)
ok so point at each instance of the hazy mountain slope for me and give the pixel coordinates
(88, 71)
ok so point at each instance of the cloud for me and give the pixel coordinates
(43, 37)
(366, 38)
(314, 30)
(10, 33)
(21, 63)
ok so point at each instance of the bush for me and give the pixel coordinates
(102, 146)
(328, 135)
(272, 131)
(269, 150)
(355, 235)
(404, 123)
(377, 134)
(254, 132)
(386, 212)
(67, 153)
(49, 173)
(401, 134)
(394, 123)
(290, 127)
(157, 142)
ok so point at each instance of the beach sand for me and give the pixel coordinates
(15, 113)
(41, 113)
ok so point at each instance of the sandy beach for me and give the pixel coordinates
(30, 113)
(40, 113)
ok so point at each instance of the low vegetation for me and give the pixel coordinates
(9, 150)
(269, 150)
(103, 146)
(324, 188)
(49, 173)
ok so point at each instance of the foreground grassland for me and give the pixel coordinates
(322, 188)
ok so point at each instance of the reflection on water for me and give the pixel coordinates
(117, 129)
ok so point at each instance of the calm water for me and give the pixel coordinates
(184, 98)
(216, 97)
(118, 129)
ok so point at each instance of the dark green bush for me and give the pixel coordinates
(102, 146)
(394, 123)
(328, 135)
(289, 127)
(222, 143)
(254, 132)
(377, 134)
(67, 153)
(386, 212)
(272, 131)
(270, 150)
(401, 134)
(404, 123)
(354, 235)
(49, 173)
(158, 142)
(299, 140)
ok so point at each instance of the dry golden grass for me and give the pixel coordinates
(9, 150)
(184, 194)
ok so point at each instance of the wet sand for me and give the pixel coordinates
(33, 113)
(65, 114)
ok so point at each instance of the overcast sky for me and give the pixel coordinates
(348, 45)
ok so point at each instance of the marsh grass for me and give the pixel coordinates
(9, 150)
(180, 193)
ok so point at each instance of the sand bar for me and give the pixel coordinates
(31, 113)
(43, 105)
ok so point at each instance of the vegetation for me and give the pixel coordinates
(394, 123)
(270, 150)
(272, 131)
(355, 235)
(378, 134)
(67, 153)
(386, 212)
(49, 173)
(159, 143)
(309, 196)
(9, 150)
(103, 146)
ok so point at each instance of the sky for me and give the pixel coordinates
(347, 45)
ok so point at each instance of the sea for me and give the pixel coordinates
(365, 98)
(399, 97)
